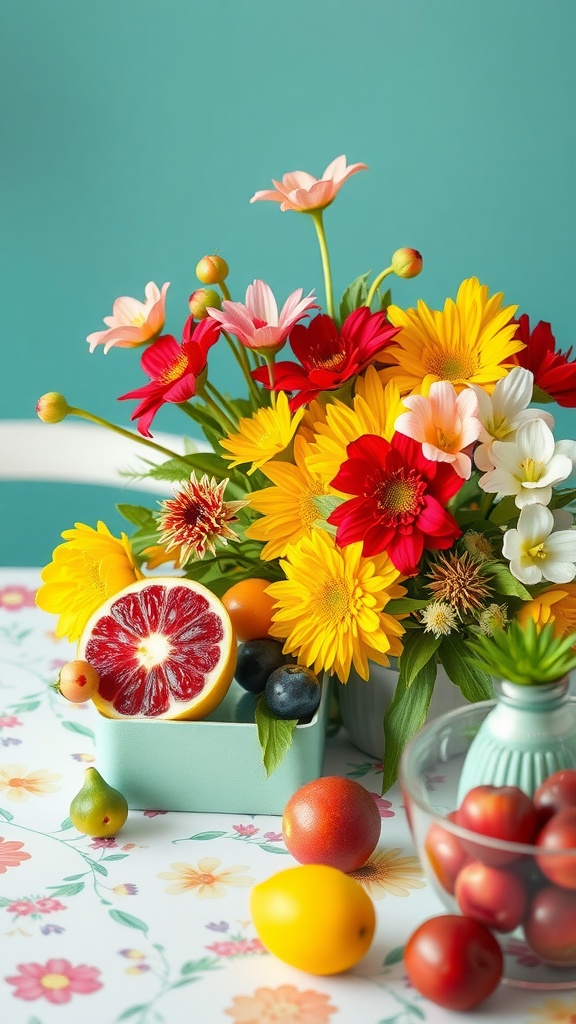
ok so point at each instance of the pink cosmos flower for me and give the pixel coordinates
(174, 370)
(444, 423)
(153, 814)
(132, 322)
(9, 721)
(21, 907)
(273, 837)
(246, 830)
(329, 356)
(103, 843)
(47, 905)
(257, 323)
(56, 980)
(13, 598)
(301, 192)
(11, 855)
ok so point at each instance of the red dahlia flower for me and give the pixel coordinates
(554, 372)
(173, 370)
(328, 356)
(400, 503)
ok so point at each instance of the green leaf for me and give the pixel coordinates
(562, 498)
(419, 648)
(121, 917)
(67, 890)
(505, 511)
(204, 836)
(74, 878)
(132, 1011)
(401, 605)
(326, 503)
(274, 736)
(394, 956)
(136, 514)
(385, 300)
(83, 730)
(355, 295)
(405, 715)
(207, 963)
(115, 856)
(474, 683)
(6, 815)
(503, 582)
(268, 848)
(66, 824)
(177, 470)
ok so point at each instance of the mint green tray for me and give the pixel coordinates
(212, 765)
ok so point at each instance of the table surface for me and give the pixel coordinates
(153, 926)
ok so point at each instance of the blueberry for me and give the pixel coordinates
(292, 691)
(257, 659)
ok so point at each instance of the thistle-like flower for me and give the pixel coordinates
(494, 617)
(439, 618)
(197, 517)
(459, 580)
(478, 546)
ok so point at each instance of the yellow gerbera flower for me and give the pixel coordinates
(557, 605)
(375, 409)
(469, 342)
(288, 509)
(84, 572)
(329, 608)
(263, 435)
(390, 872)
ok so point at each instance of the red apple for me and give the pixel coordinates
(445, 853)
(498, 812)
(494, 896)
(556, 793)
(559, 833)
(550, 927)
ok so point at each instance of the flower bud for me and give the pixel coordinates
(52, 407)
(407, 262)
(212, 270)
(201, 299)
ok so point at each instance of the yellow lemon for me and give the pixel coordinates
(314, 917)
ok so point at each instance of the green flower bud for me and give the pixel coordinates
(212, 270)
(407, 262)
(201, 299)
(52, 407)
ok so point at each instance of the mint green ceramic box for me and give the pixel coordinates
(212, 765)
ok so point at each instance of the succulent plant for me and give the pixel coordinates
(527, 655)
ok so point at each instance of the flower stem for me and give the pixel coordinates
(242, 357)
(224, 290)
(486, 504)
(227, 425)
(374, 285)
(123, 433)
(229, 413)
(319, 225)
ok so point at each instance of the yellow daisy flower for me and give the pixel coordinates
(388, 872)
(314, 413)
(263, 435)
(469, 342)
(330, 607)
(288, 509)
(205, 881)
(84, 572)
(16, 785)
(375, 409)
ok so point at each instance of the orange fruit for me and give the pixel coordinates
(331, 821)
(250, 608)
(314, 917)
(163, 648)
(77, 681)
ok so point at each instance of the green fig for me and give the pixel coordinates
(98, 810)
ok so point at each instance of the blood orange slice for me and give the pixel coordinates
(163, 648)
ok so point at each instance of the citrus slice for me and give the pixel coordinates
(163, 648)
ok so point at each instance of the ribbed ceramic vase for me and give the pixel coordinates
(363, 704)
(529, 734)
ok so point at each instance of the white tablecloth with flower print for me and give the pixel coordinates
(153, 926)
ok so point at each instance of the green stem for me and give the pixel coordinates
(123, 433)
(486, 504)
(319, 225)
(224, 406)
(269, 359)
(227, 425)
(374, 285)
(224, 290)
(242, 357)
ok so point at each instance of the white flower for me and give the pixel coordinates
(502, 412)
(538, 551)
(529, 466)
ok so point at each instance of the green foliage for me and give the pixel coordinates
(355, 295)
(405, 715)
(474, 683)
(524, 654)
(274, 735)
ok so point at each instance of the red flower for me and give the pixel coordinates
(329, 356)
(400, 503)
(173, 370)
(554, 372)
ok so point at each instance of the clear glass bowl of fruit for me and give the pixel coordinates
(501, 856)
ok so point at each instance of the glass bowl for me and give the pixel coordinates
(536, 919)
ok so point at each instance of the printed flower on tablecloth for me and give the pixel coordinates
(14, 597)
(205, 881)
(9, 721)
(103, 843)
(16, 785)
(284, 1005)
(57, 980)
(553, 1011)
(383, 805)
(35, 907)
(237, 947)
(11, 854)
(388, 872)
(245, 830)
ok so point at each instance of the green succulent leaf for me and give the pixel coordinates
(524, 654)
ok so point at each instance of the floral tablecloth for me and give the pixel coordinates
(153, 926)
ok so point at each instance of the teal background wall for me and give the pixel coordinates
(134, 133)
